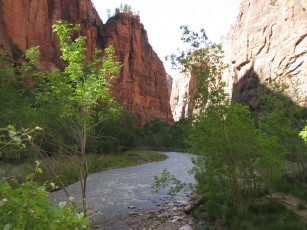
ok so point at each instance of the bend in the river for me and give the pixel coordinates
(113, 191)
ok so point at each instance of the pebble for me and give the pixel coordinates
(186, 227)
(131, 207)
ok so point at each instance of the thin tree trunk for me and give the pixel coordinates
(83, 168)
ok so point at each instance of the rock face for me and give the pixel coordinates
(268, 42)
(180, 91)
(169, 84)
(28, 23)
(141, 85)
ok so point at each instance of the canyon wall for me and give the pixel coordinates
(180, 91)
(268, 43)
(29, 23)
(183, 85)
(141, 85)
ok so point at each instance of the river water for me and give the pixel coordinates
(112, 192)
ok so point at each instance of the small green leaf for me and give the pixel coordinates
(16, 139)
(12, 133)
(62, 204)
(39, 170)
(7, 227)
(28, 177)
(1, 203)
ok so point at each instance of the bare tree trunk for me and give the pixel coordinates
(83, 170)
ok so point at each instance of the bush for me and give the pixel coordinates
(27, 207)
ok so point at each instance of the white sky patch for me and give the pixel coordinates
(162, 20)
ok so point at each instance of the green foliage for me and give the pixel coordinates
(27, 207)
(281, 118)
(124, 8)
(63, 102)
(160, 135)
(267, 215)
(168, 180)
(16, 97)
(303, 134)
(239, 158)
(179, 132)
(79, 87)
(294, 188)
(13, 142)
(116, 133)
(155, 134)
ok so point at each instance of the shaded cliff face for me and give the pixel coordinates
(269, 39)
(141, 86)
(169, 84)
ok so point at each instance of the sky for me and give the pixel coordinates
(162, 20)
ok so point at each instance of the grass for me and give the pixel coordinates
(66, 168)
(265, 215)
(294, 188)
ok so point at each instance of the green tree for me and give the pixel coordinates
(75, 92)
(238, 158)
(117, 132)
(155, 134)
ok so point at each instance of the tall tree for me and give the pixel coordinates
(76, 91)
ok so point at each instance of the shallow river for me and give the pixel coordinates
(111, 192)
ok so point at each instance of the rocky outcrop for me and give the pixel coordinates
(169, 84)
(141, 85)
(179, 97)
(268, 42)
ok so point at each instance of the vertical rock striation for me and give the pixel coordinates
(29, 23)
(141, 85)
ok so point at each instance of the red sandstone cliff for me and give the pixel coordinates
(28, 23)
(141, 85)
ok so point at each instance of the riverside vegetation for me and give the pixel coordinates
(244, 154)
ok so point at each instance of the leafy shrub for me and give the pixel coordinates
(27, 207)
